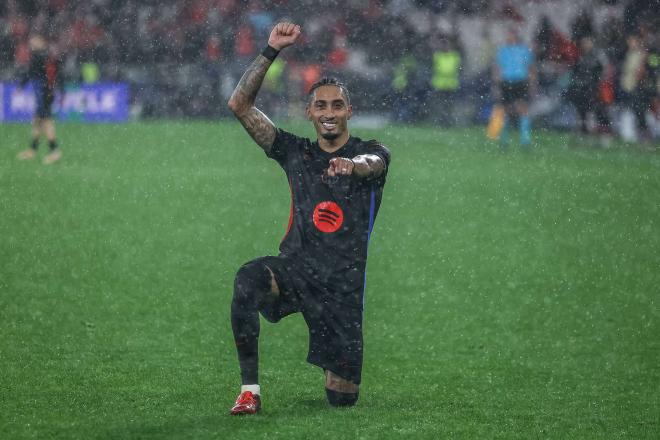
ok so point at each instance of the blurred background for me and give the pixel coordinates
(403, 60)
(512, 293)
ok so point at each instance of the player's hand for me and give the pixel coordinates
(283, 35)
(339, 166)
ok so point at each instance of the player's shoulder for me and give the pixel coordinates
(366, 144)
(373, 146)
(285, 136)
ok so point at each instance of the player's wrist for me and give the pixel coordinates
(270, 52)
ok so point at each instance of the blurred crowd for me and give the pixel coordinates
(606, 73)
(408, 59)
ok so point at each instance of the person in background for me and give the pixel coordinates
(636, 84)
(403, 76)
(44, 74)
(445, 80)
(583, 89)
(514, 77)
(653, 82)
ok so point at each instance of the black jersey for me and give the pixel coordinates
(331, 217)
(44, 71)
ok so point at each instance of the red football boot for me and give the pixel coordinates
(247, 403)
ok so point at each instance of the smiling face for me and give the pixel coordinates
(329, 111)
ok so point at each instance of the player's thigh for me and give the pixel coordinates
(335, 337)
(44, 106)
(508, 98)
(521, 107)
(283, 299)
(521, 94)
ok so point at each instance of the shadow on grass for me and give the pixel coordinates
(315, 405)
(276, 414)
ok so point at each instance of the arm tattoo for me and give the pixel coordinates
(368, 165)
(246, 91)
(257, 124)
(259, 127)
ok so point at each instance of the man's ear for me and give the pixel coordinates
(350, 111)
(308, 113)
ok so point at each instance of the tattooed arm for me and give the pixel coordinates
(368, 165)
(364, 165)
(257, 124)
(373, 163)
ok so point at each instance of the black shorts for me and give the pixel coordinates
(44, 97)
(335, 328)
(513, 91)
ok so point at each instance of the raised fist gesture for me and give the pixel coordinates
(283, 35)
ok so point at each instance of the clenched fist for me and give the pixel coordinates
(283, 35)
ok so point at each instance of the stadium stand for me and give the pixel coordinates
(182, 58)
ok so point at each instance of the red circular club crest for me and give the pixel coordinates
(328, 217)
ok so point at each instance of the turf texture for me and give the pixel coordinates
(510, 294)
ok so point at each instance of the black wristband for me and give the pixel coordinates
(270, 52)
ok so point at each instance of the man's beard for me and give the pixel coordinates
(330, 136)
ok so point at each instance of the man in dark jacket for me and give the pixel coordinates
(583, 87)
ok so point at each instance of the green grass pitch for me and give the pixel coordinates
(509, 294)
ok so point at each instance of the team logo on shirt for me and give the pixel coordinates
(328, 217)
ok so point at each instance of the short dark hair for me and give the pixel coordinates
(330, 81)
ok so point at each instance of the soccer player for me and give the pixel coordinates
(336, 186)
(44, 73)
(514, 74)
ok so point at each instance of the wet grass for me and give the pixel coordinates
(510, 294)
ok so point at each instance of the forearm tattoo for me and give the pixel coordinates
(259, 127)
(257, 124)
(368, 165)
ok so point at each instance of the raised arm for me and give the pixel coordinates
(256, 123)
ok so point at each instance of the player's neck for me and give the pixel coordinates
(332, 145)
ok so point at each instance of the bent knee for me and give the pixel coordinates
(251, 283)
(253, 274)
(255, 284)
(335, 398)
(258, 271)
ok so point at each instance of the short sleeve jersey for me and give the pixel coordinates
(514, 62)
(44, 71)
(331, 218)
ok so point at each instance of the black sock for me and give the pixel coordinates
(35, 144)
(52, 144)
(251, 285)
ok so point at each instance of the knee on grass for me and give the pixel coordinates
(335, 398)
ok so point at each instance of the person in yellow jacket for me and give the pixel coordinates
(445, 80)
(403, 89)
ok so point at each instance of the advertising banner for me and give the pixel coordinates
(100, 102)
